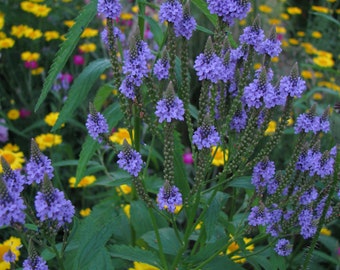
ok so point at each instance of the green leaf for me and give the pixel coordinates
(90, 237)
(203, 7)
(101, 261)
(222, 262)
(171, 244)
(204, 30)
(80, 89)
(134, 254)
(327, 17)
(155, 29)
(67, 47)
(101, 96)
(113, 115)
(325, 257)
(242, 182)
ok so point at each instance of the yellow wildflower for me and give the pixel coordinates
(50, 35)
(274, 21)
(284, 43)
(323, 61)
(300, 34)
(89, 32)
(126, 189)
(325, 231)
(48, 140)
(6, 43)
(52, 118)
(11, 147)
(290, 121)
(2, 20)
(294, 10)
(19, 30)
(27, 6)
(271, 128)
(126, 16)
(281, 30)
(309, 48)
(126, 209)
(320, 9)
(12, 244)
(337, 11)
(33, 34)
(324, 54)
(265, 9)
(15, 159)
(69, 23)
(37, 71)
(3, 35)
(306, 74)
(284, 16)
(293, 41)
(41, 10)
(103, 77)
(316, 34)
(121, 135)
(30, 56)
(257, 66)
(84, 182)
(135, 9)
(234, 247)
(275, 59)
(85, 212)
(242, 22)
(199, 225)
(317, 96)
(318, 74)
(13, 114)
(88, 47)
(143, 266)
(220, 156)
(178, 208)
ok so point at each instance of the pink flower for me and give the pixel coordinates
(24, 113)
(78, 60)
(66, 77)
(31, 64)
(187, 158)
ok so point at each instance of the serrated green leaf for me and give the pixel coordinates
(80, 89)
(134, 254)
(113, 115)
(171, 244)
(67, 47)
(203, 7)
(155, 30)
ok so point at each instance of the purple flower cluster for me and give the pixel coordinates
(252, 35)
(185, 26)
(109, 8)
(283, 247)
(170, 108)
(307, 122)
(135, 68)
(292, 85)
(161, 69)
(171, 11)
(51, 205)
(239, 121)
(209, 67)
(96, 125)
(116, 33)
(168, 198)
(229, 10)
(13, 178)
(11, 206)
(308, 223)
(270, 46)
(205, 137)
(263, 176)
(38, 166)
(34, 263)
(130, 160)
(309, 196)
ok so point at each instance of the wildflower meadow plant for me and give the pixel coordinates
(168, 147)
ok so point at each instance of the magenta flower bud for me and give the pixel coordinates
(187, 158)
(31, 64)
(78, 60)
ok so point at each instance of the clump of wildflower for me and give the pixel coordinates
(13, 156)
(109, 8)
(239, 121)
(271, 46)
(84, 182)
(170, 11)
(206, 136)
(121, 135)
(162, 67)
(117, 33)
(48, 140)
(38, 165)
(219, 156)
(283, 247)
(186, 25)
(263, 175)
(169, 197)
(253, 35)
(293, 85)
(130, 160)
(308, 122)
(10, 251)
(13, 178)
(51, 205)
(51, 118)
(170, 107)
(34, 262)
(96, 124)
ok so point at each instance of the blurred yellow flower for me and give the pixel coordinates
(84, 182)
(33, 33)
(275, 59)
(280, 30)
(85, 212)
(2, 20)
(257, 66)
(3, 35)
(293, 41)
(337, 11)
(89, 32)
(41, 10)
(88, 47)
(284, 16)
(320, 9)
(325, 231)
(199, 225)
(103, 76)
(27, 6)
(12, 244)
(6, 43)
(51, 118)
(178, 208)
(331, 1)
(324, 54)
(125, 16)
(323, 61)
(13, 114)
(19, 30)
(11, 147)
(37, 71)
(309, 48)
(15, 159)
(242, 22)
(300, 34)
(284, 43)
(126, 209)
(48, 140)
(69, 23)
(143, 266)
(316, 34)
(294, 10)
(290, 121)
(317, 96)
(265, 9)
(318, 74)
(121, 135)
(135, 9)
(220, 156)
(30, 56)
(274, 21)
(306, 74)
(271, 128)
(234, 247)
(126, 189)
(50, 35)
